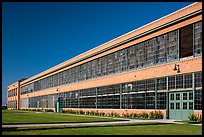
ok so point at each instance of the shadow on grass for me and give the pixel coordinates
(87, 126)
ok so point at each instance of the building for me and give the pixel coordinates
(13, 95)
(155, 67)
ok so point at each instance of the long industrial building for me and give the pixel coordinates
(155, 67)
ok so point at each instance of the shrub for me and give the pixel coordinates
(97, 113)
(156, 115)
(91, 113)
(127, 115)
(194, 117)
(39, 110)
(199, 118)
(144, 115)
(102, 114)
(116, 114)
(135, 115)
(112, 114)
(81, 112)
(34, 110)
(49, 110)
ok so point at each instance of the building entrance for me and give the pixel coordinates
(180, 105)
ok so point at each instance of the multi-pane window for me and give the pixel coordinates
(161, 100)
(179, 81)
(161, 83)
(150, 52)
(109, 97)
(160, 49)
(123, 59)
(131, 57)
(198, 79)
(171, 82)
(198, 100)
(186, 41)
(198, 38)
(150, 85)
(140, 101)
(172, 46)
(150, 100)
(188, 81)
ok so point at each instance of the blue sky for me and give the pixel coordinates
(39, 35)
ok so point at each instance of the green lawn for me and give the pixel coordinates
(131, 129)
(19, 116)
(16, 116)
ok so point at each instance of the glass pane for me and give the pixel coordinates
(177, 105)
(184, 105)
(172, 96)
(190, 105)
(172, 106)
(178, 96)
(184, 96)
(190, 96)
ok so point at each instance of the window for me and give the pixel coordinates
(172, 97)
(198, 100)
(177, 96)
(191, 96)
(171, 105)
(161, 100)
(177, 105)
(184, 105)
(198, 79)
(171, 82)
(198, 38)
(188, 81)
(190, 105)
(150, 100)
(161, 83)
(184, 96)
(186, 41)
(179, 81)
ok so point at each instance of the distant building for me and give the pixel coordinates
(13, 95)
(155, 67)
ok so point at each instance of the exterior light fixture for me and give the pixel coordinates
(175, 68)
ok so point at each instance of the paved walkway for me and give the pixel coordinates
(96, 123)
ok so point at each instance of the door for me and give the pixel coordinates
(180, 105)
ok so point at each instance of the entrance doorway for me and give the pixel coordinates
(180, 105)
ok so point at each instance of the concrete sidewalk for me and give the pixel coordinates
(96, 123)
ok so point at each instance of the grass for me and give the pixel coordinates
(16, 116)
(124, 129)
(24, 117)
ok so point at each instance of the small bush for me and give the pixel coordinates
(49, 110)
(34, 110)
(127, 115)
(199, 118)
(144, 115)
(156, 115)
(102, 114)
(91, 113)
(39, 110)
(194, 117)
(96, 112)
(81, 112)
(116, 114)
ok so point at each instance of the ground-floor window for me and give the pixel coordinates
(144, 94)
